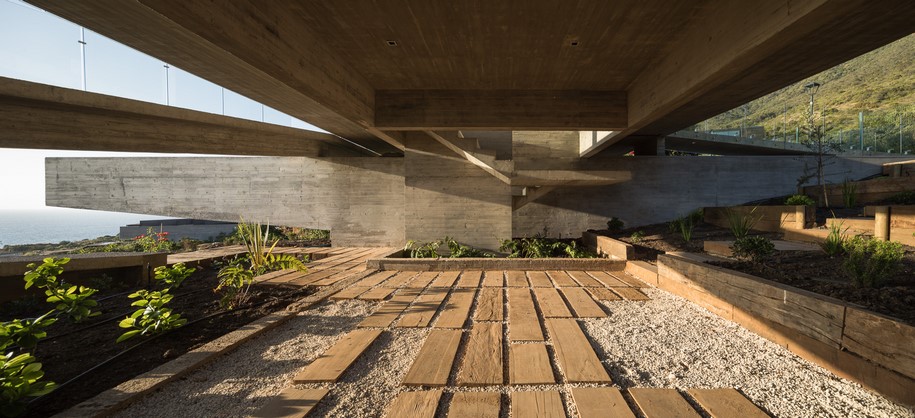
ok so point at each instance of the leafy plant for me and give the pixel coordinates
(870, 262)
(512, 247)
(637, 236)
(799, 200)
(835, 241)
(423, 250)
(152, 317)
(615, 224)
(741, 223)
(684, 226)
(849, 193)
(574, 251)
(71, 300)
(25, 333)
(152, 241)
(459, 250)
(754, 248)
(20, 378)
(539, 247)
(172, 277)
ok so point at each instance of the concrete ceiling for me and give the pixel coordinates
(640, 67)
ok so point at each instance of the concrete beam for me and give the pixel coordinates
(738, 51)
(461, 147)
(41, 116)
(237, 45)
(500, 109)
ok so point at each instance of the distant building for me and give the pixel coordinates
(180, 228)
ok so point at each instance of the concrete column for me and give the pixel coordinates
(648, 146)
(882, 223)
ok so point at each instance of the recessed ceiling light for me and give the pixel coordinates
(573, 43)
(391, 42)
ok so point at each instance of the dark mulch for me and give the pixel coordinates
(658, 239)
(72, 349)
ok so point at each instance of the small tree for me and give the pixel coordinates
(823, 148)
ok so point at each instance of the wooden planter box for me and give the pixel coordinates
(608, 247)
(772, 218)
(872, 349)
(868, 191)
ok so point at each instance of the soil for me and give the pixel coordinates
(72, 349)
(658, 239)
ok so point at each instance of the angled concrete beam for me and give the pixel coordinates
(464, 148)
(499, 109)
(572, 177)
(740, 50)
(530, 194)
(301, 78)
(41, 116)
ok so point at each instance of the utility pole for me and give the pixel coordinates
(861, 130)
(82, 54)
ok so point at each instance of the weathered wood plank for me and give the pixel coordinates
(551, 304)
(584, 279)
(350, 292)
(423, 280)
(540, 404)
(628, 279)
(601, 402)
(523, 324)
(482, 363)
(574, 354)
(880, 339)
(489, 305)
(607, 279)
(470, 278)
(631, 293)
(420, 404)
(582, 303)
(432, 365)
(291, 403)
(529, 364)
(726, 403)
(562, 279)
(515, 278)
(387, 313)
(539, 279)
(457, 309)
(445, 279)
(331, 365)
(400, 279)
(493, 278)
(377, 278)
(377, 294)
(662, 403)
(475, 405)
(602, 293)
(420, 313)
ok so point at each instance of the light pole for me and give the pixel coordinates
(812, 90)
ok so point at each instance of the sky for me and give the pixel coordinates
(44, 48)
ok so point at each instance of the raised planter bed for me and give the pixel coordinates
(771, 218)
(872, 349)
(866, 192)
(445, 264)
(608, 247)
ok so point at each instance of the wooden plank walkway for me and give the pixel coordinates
(662, 403)
(551, 304)
(540, 404)
(470, 279)
(601, 402)
(456, 310)
(539, 279)
(291, 403)
(387, 313)
(483, 360)
(523, 324)
(433, 364)
(576, 358)
(726, 402)
(489, 305)
(420, 313)
(330, 365)
(583, 305)
(415, 404)
(475, 405)
(529, 364)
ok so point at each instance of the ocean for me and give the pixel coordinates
(52, 225)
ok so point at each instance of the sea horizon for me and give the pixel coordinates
(52, 225)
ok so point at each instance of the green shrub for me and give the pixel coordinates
(849, 193)
(25, 333)
(615, 224)
(754, 248)
(459, 250)
(20, 378)
(741, 223)
(835, 241)
(423, 250)
(70, 300)
(637, 236)
(870, 262)
(904, 198)
(800, 199)
(684, 226)
(152, 317)
(539, 247)
(152, 241)
(172, 277)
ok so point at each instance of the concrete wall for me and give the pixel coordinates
(663, 188)
(360, 200)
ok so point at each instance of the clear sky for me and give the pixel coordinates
(43, 48)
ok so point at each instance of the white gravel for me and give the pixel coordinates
(665, 342)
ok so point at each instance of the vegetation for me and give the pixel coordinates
(25, 333)
(904, 198)
(684, 225)
(458, 250)
(754, 248)
(849, 193)
(152, 241)
(637, 236)
(172, 277)
(540, 247)
(615, 224)
(799, 200)
(20, 378)
(423, 250)
(71, 300)
(835, 242)
(870, 262)
(741, 223)
(153, 317)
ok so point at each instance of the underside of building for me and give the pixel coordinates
(473, 119)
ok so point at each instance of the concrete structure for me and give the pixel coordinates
(426, 84)
(180, 228)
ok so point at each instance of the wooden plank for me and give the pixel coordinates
(602, 293)
(515, 278)
(330, 365)
(561, 279)
(523, 324)
(883, 340)
(420, 313)
(493, 278)
(291, 403)
(483, 360)
(350, 292)
(457, 309)
(601, 402)
(539, 279)
(339, 276)
(574, 354)
(420, 404)
(423, 280)
(583, 305)
(631, 293)
(529, 364)
(400, 279)
(725, 403)
(377, 294)
(551, 304)
(470, 278)
(628, 279)
(540, 404)
(445, 279)
(489, 305)
(376, 279)
(433, 364)
(475, 405)
(387, 313)
(607, 279)
(662, 403)
(585, 279)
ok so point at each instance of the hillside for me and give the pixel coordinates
(880, 83)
